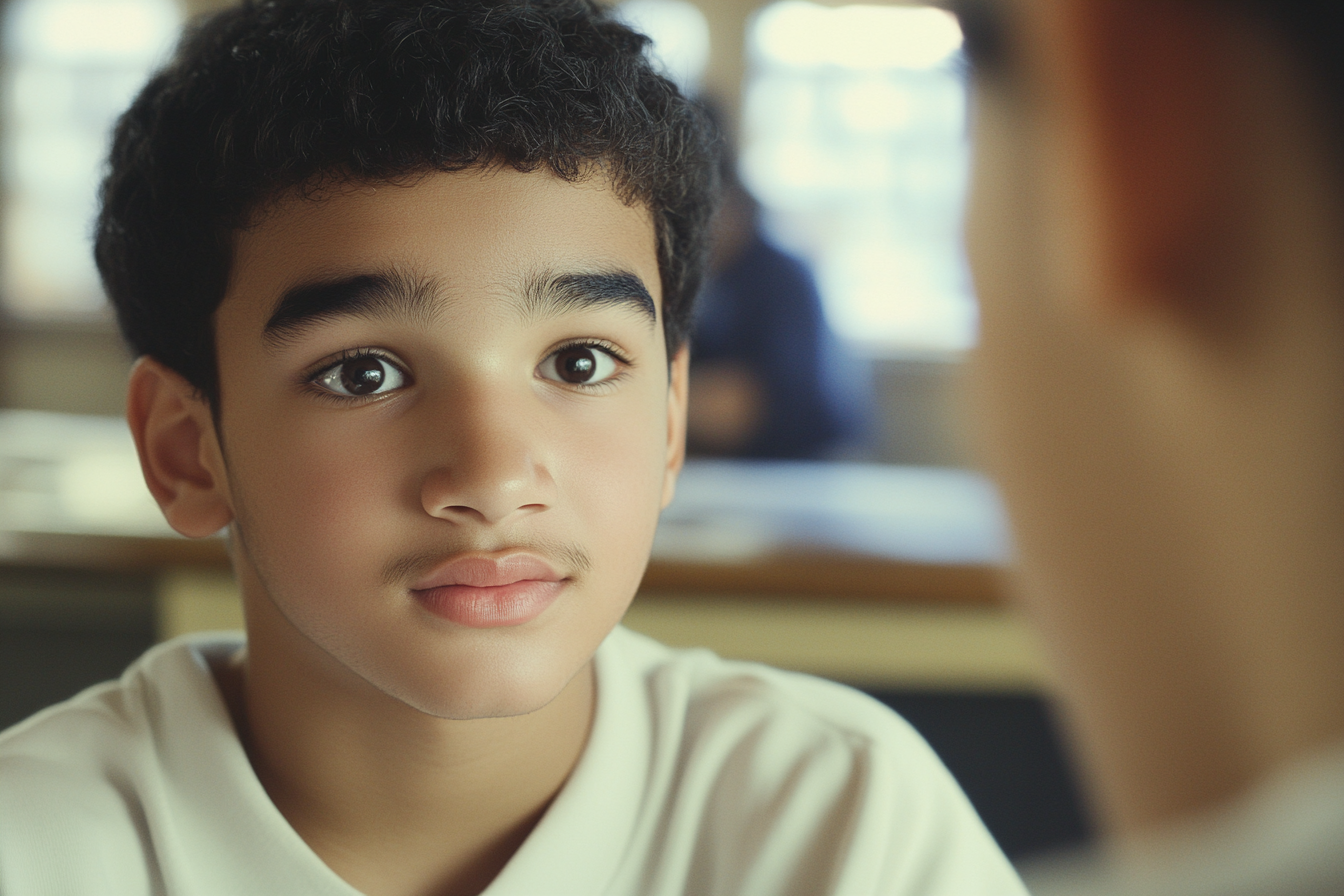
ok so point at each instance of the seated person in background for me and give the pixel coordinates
(410, 284)
(769, 378)
(1155, 228)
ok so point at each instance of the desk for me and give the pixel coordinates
(869, 573)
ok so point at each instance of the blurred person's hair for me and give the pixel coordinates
(1314, 30)
(284, 95)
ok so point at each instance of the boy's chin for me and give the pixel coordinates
(497, 692)
(470, 707)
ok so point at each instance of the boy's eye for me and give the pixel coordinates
(363, 375)
(579, 365)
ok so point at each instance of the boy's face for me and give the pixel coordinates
(447, 429)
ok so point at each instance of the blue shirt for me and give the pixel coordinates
(763, 311)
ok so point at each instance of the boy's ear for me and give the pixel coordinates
(1139, 88)
(179, 451)
(677, 388)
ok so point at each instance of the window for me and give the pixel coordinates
(854, 140)
(680, 35)
(71, 67)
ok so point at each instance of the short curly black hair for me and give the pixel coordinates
(269, 96)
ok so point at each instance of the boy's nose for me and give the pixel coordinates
(489, 468)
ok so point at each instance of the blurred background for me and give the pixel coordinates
(831, 523)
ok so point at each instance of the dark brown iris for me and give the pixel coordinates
(576, 365)
(362, 376)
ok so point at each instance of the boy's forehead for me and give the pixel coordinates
(498, 228)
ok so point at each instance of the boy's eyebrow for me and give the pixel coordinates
(553, 295)
(383, 293)
(369, 295)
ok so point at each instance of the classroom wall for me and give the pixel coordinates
(75, 369)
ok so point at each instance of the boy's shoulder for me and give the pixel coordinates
(705, 689)
(62, 777)
(118, 736)
(747, 725)
(90, 787)
(734, 777)
(141, 786)
(119, 717)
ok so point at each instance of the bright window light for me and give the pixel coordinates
(854, 140)
(801, 34)
(71, 67)
(84, 32)
(680, 35)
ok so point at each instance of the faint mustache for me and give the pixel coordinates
(568, 558)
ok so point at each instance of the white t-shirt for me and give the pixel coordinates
(700, 776)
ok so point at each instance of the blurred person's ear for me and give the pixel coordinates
(1141, 91)
(179, 452)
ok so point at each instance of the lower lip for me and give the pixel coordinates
(492, 607)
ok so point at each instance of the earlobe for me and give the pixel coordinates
(677, 389)
(1140, 83)
(179, 452)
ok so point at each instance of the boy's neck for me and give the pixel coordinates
(392, 799)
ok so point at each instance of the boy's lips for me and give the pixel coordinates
(490, 592)
(489, 572)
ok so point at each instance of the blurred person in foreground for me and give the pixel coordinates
(1155, 229)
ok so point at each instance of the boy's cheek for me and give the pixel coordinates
(327, 487)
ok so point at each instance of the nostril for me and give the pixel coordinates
(481, 495)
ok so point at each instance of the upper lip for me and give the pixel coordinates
(481, 571)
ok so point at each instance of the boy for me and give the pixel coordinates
(410, 282)
(1155, 234)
